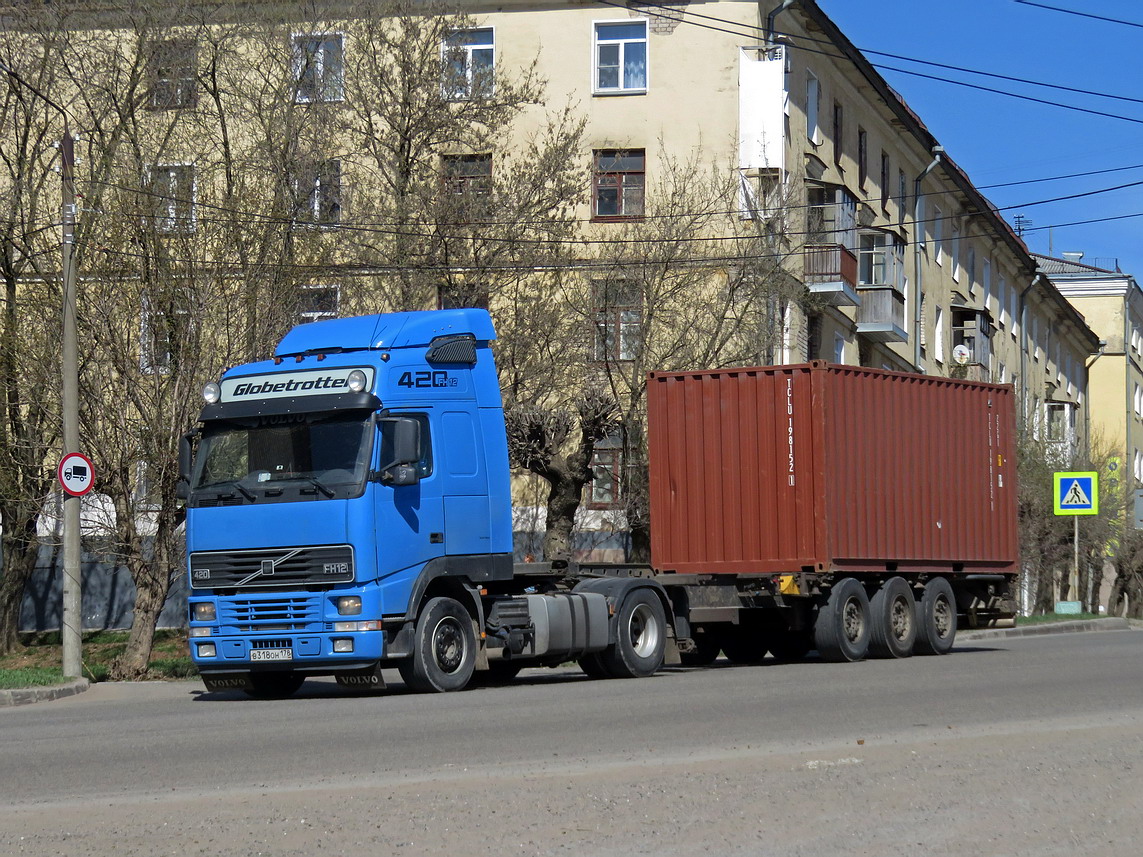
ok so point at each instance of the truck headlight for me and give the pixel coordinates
(349, 605)
(343, 645)
(204, 611)
(207, 650)
(357, 380)
(199, 632)
(212, 393)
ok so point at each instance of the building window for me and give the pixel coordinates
(618, 182)
(813, 108)
(618, 320)
(838, 348)
(902, 197)
(970, 269)
(838, 131)
(318, 302)
(621, 57)
(1059, 418)
(318, 193)
(938, 234)
(884, 180)
(161, 328)
(172, 190)
(467, 175)
(862, 157)
(881, 260)
(954, 251)
(319, 70)
(606, 473)
(172, 70)
(469, 58)
(939, 334)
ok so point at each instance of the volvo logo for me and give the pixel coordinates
(268, 567)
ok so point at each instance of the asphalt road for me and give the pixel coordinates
(1022, 746)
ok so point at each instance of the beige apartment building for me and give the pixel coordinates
(896, 260)
(1112, 303)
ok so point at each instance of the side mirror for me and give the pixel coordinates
(401, 443)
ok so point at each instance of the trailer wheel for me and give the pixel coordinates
(936, 625)
(894, 627)
(789, 646)
(444, 649)
(274, 685)
(744, 645)
(841, 632)
(706, 650)
(641, 637)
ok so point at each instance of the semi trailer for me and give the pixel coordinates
(349, 510)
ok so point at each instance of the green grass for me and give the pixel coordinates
(31, 677)
(38, 663)
(1054, 617)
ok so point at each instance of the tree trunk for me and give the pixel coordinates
(563, 501)
(20, 557)
(152, 584)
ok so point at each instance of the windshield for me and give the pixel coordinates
(326, 453)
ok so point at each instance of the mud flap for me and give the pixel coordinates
(369, 678)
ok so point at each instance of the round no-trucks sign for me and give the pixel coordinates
(76, 474)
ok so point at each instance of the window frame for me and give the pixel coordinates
(177, 90)
(813, 108)
(596, 43)
(618, 322)
(838, 132)
(328, 93)
(306, 316)
(607, 456)
(621, 186)
(319, 194)
(468, 93)
(173, 221)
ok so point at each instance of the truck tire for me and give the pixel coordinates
(936, 618)
(841, 632)
(893, 609)
(707, 647)
(444, 649)
(274, 685)
(641, 637)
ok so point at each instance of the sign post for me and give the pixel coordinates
(1075, 493)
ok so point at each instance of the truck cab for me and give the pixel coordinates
(348, 508)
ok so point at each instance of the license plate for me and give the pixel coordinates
(271, 654)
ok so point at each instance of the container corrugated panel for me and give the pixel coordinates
(817, 467)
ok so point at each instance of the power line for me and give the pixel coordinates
(1080, 14)
(675, 17)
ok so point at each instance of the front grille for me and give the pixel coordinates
(270, 644)
(254, 616)
(300, 566)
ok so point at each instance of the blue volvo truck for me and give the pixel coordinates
(348, 510)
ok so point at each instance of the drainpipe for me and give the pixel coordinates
(918, 233)
(1024, 345)
(1087, 395)
(774, 13)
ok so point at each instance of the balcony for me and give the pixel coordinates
(881, 316)
(831, 271)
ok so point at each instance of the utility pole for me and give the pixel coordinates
(71, 625)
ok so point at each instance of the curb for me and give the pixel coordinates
(28, 695)
(1080, 625)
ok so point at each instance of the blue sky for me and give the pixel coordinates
(998, 139)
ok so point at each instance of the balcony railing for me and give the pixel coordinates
(831, 270)
(881, 315)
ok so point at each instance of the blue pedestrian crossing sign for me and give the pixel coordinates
(1075, 493)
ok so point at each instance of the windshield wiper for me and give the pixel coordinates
(238, 486)
(325, 489)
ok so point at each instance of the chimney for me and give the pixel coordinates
(1073, 257)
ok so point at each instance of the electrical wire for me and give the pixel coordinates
(1080, 14)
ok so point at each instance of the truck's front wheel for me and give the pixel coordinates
(444, 649)
(641, 637)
